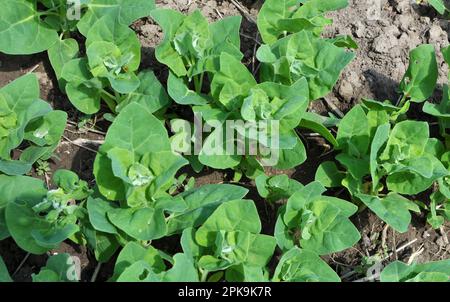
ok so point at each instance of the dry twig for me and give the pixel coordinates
(243, 11)
(82, 143)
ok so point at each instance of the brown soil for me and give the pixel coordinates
(381, 61)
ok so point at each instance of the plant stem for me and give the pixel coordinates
(198, 82)
(110, 100)
(401, 101)
(204, 276)
(97, 270)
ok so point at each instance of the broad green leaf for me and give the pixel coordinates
(21, 29)
(139, 271)
(225, 35)
(15, 167)
(76, 71)
(411, 182)
(229, 216)
(142, 224)
(129, 133)
(104, 245)
(170, 21)
(126, 12)
(323, 221)
(438, 271)
(393, 209)
(85, 99)
(183, 270)
(438, 5)
(214, 152)
(314, 122)
(46, 130)
(277, 187)
(270, 14)
(238, 247)
(353, 133)
(134, 252)
(298, 265)
(98, 209)
(245, 273)
(150, 93)
(329, 175)
(19, 105)
(420, 79)
(380, 138)
(232, 82)
(180, 92)
(289, 158)
(201, 203)
(61, 52)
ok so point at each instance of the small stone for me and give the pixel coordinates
(440, 241)
(346, 90)
(359, 29)
(384, 43)
(435, 34)
(405, 21)
(403, 6)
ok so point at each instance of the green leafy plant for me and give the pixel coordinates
(440, 201)
(43, 168)
(386, 156)
(297, 265)
(230, 241)
(420, 78)
(397, 271)
(138, 264)
(37, 219)
(275, 188)
(279, 18)
(108, 72)
(315, 222)
(138, 170)
(25, 118)
(196, 51)
(191, 48)
(59, 268)
(383, 161)
(142, 192)
(303, 54)
(29, 27)
(293, 47)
